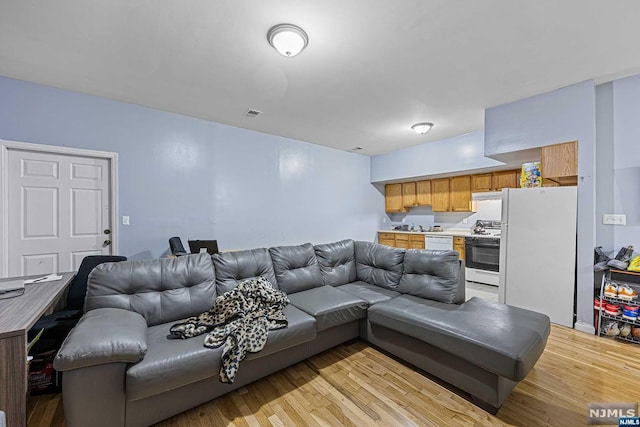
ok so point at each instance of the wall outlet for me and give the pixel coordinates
(465, 220)
(125, 220)
(614, 219)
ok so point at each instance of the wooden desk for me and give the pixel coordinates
(17, 316)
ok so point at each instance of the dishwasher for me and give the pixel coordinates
(438, 243)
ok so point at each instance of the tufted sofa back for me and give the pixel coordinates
(337, 262)
(160, 290)
(379, 265)
(435, 275)
(234, 267)
(296, 267)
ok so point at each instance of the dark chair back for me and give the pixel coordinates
(78, 289)
(175, 244)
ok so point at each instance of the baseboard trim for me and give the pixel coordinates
(585, 327)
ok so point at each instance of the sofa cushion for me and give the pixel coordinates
(379, 265)
(337, 262)
(499, 338)
(372, 294)
(173, 363)
(330, 306)
(234, 267)
(296, 267)
(161, 290)
(301, 328)
(431, 274)
(170, 363)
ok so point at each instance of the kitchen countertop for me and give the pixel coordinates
(447, 232)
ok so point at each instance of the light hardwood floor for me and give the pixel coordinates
(357, 385)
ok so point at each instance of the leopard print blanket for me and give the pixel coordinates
(240, 319)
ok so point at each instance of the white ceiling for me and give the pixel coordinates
(371, 70)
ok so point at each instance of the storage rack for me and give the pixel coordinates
(619, 278)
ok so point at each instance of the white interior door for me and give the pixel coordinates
(58, 210)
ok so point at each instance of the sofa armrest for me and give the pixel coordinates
(104, 335)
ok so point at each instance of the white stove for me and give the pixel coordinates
(482, 253)
(486, 228)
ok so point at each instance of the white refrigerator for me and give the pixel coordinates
(538, 250)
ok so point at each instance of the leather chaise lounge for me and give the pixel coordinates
(121, 370)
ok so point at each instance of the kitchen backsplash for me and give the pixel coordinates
(486, 209)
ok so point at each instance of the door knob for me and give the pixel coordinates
(107, 231)
(106, 243)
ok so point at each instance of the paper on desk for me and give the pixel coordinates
(49, 278)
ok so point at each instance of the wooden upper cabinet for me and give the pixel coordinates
(393, 198)
(423, 193)
(408, 194)
(481, 182)
(506, 179)
(440, 199)
(559, 163)
(461, 193)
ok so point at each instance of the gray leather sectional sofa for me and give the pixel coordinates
(120, 369)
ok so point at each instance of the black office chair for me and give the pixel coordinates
(175, 244)
(58, 325)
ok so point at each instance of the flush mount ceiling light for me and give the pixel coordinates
(288, 39)
(422, 128)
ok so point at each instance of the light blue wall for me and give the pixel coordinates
(546, 119)
(198, 179)
(604, 166)
(457, 154)
(626, 161)
(566, 114)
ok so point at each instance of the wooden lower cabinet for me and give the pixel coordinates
(388, 239)
(402, 240)
(416, 241)
(458, 245)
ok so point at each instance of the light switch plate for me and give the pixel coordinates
(125, 220)
(614, 219)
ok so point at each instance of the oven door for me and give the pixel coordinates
(482, 253)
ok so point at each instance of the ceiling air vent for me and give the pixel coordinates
(252, 113)
(357, 149)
